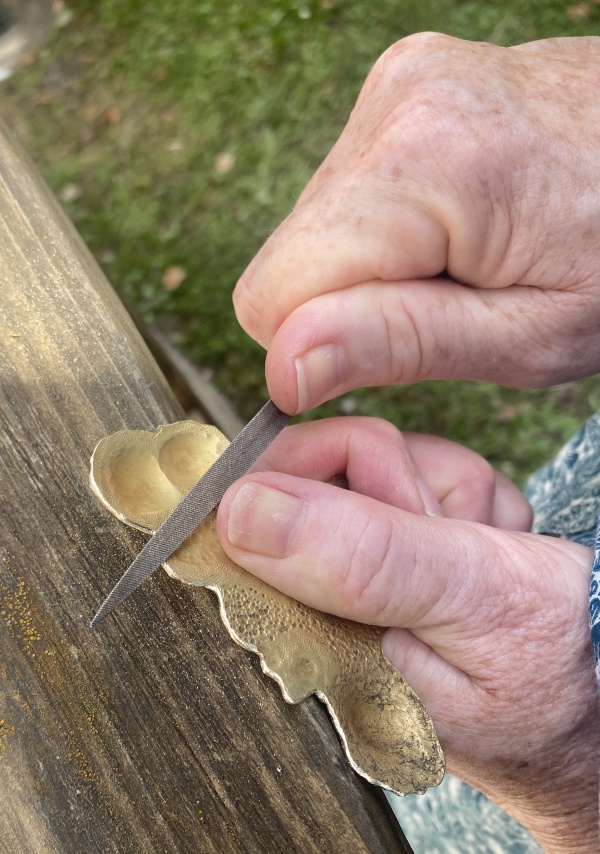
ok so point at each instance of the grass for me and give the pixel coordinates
(178, 135)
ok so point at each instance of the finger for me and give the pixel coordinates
(397, 185)
(383, 333)
(466, 485)
(511, 510)
(410, 471)
(355, 557)
(332, 549)
(352, 235)
(371, 453)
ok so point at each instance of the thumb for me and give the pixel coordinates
(383, 333)
(361, 559)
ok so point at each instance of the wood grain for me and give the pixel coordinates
(153, 733)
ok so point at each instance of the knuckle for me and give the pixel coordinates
(427, 43)
(363, 583)
(241, 296)
(483, 475)
(244, 298)
(255, 313)
(424, 95)
(409, 58)
(477, 482)
(416, 45)
(386, 431)
(413, 346)
(523, 519)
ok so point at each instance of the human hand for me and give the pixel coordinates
(489, 626)
(451, 232)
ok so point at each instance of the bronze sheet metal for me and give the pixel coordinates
(386, 731)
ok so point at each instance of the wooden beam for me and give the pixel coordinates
(153, 733)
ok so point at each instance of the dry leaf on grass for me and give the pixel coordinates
(173, 277)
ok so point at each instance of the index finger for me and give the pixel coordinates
(344, 235)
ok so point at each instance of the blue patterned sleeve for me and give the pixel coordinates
(565, 496)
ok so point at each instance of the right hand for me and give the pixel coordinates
(452, 232)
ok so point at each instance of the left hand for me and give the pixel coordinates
(489, 626)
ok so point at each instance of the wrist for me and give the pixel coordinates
(557, 800)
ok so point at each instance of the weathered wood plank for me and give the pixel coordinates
(154, 733)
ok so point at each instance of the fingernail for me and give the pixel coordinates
(430, 503)
(318, 372)
(264, 520)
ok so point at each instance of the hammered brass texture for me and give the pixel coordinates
(386, 732)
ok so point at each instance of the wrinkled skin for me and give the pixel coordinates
(452, 232)
(464, 160)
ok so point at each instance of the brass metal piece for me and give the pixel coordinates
(386, 732)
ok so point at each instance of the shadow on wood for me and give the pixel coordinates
(153, 733)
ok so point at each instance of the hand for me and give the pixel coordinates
(451, 232)
(489, 626)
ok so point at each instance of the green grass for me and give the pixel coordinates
(133, 103)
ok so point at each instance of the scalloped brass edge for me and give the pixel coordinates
(321, 695)
(432, 771)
